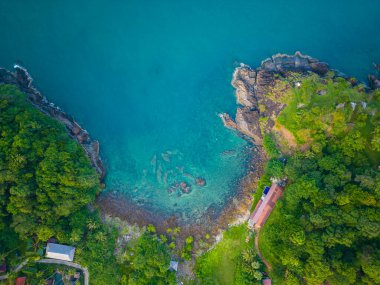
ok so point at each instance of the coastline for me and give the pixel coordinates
(22, 79)
(236, 208)
(253, 84)
(251, 87)
(256, 112)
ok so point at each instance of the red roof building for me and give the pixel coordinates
(20, 281)
(265, 206)
(267, 282)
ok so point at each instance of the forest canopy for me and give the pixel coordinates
(45, 175)
(327, 227)
(46, 186)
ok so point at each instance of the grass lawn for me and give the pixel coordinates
(219, 265)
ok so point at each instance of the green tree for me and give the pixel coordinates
(148, 262)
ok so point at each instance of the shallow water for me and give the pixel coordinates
(148, 78)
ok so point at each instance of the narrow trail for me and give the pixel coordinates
(68, 263)
(17, 269)
(259, 253)
(53, 261)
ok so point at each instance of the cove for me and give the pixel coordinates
(147, 79)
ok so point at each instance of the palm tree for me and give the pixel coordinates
(92, 225)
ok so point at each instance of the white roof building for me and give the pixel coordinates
(173, 265)
(60, 251)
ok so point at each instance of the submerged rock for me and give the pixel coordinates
(200, 181)
(227, 121)
(179, 188)
(165, 156)
(229, 152)
(185, 187)
(172, 189)
(153, 163)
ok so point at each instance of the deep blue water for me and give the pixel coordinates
(147, 78)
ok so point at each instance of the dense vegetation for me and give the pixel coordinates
(327, 227)
(44, 175)
(232, 261)
(46, 185)
(146, 262)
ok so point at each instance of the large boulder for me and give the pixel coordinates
(200, 181)
(374, 82)
(248, 123)
(244, 79)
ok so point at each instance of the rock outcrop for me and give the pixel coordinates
(374, 82)
(21, 78)
(200, 181)
(252, 89)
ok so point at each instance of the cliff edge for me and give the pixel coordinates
(21, 78)
(257, 111)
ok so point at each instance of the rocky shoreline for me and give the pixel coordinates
(252, 86)
(236, 209)
(21, 78)
(257, 94)
(256, 111)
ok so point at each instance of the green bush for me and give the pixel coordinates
(270, 146)
(147, 262)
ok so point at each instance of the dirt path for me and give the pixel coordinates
(67, 263)
(17, 269)
(259, 253)
(53, 261)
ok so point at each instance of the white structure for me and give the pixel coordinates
(173, 265)
(60, 251)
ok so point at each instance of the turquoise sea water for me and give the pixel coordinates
(147, 78)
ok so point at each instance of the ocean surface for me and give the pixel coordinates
(148, 78)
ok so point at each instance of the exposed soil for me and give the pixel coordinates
(285, 136)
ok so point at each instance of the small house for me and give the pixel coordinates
(60, 251)
(20, 281)
(265, 206)
(267, 281)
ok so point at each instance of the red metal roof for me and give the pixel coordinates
(20, 281)
(267, 282)
(264, 209)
